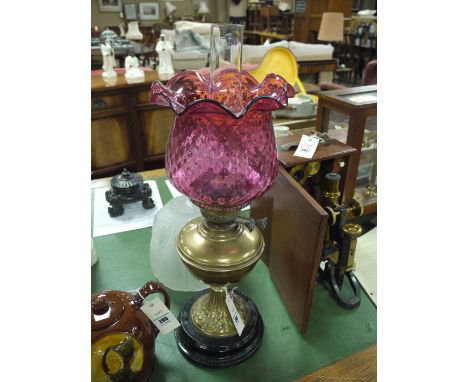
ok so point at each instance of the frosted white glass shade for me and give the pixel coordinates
(166, 264)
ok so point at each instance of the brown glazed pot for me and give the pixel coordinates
(122, 336)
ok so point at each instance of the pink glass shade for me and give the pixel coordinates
(221, 151)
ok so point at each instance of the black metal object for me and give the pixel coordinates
(334, 275)
(128, 188)
(218, 352)
(340, 240)
(329, 275)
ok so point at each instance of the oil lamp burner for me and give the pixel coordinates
(221, 153)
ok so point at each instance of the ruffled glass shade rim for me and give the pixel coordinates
(275, 102)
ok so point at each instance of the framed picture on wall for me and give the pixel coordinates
(110, 5)
(130, 11)
(149, 11)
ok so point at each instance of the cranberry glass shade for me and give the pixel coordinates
(221, 151)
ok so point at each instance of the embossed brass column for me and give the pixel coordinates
(210, 313)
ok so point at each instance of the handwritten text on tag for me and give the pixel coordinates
(159, 315)
(236, 318)
(307, 146)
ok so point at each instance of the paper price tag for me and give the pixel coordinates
(307, 146)
(236, 318)
(159, 315)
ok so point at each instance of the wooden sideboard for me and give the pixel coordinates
(126, 130)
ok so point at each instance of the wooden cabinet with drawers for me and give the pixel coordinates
(126, 130)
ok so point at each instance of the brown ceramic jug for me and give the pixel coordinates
(122, 336)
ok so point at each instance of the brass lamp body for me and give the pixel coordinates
(218, 250)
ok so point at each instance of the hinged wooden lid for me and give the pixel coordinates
(297, 234)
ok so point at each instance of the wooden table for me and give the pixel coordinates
(359, 367)
(336, 156)
(335, 149)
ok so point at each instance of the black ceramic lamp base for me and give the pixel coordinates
(218, 352)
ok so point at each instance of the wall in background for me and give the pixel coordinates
(184, 8)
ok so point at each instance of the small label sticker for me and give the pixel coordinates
(159, 315)
(236, 318)
(307, 146)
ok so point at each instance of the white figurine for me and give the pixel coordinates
(110, 81)
(132, 69)
(164, 50)
(122, 29)
(108, 60)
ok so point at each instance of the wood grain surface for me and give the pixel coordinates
(126, 130)
(287, 159)
(358, 367)
(297, 233)
(110, 141)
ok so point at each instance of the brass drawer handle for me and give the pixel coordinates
(99, 103)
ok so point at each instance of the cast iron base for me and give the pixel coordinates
(329, 278)
(218, 352)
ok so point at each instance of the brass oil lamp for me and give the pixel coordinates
(221, 153)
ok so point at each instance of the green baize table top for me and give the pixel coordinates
(284, 354)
